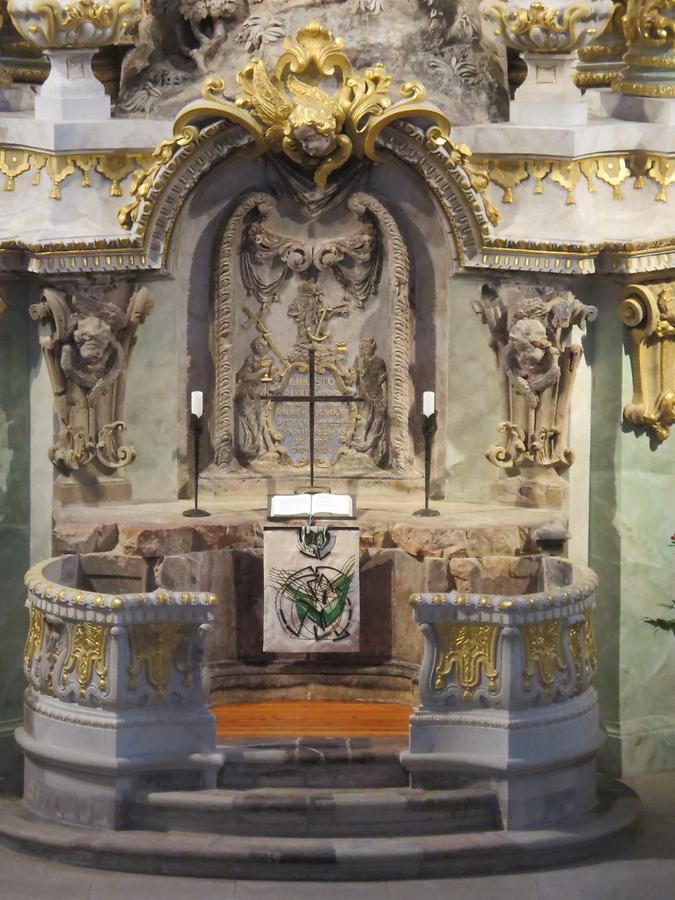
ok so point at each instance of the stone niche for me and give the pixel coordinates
(360, 273)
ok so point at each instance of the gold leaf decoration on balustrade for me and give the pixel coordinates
(34, 638)
(471, 651)
(87, 654)
(544, 654)
(156, 649)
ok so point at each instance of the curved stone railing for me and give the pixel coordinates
(117, 693)
(506, 694)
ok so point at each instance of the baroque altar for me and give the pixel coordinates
(313, 200)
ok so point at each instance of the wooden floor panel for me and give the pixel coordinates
(311, 718)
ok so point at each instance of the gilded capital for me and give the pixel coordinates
(648, 311)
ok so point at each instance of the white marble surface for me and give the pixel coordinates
(599, 135)
(18, 129)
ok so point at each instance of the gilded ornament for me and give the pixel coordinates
(507, 174)
(567, 175)
(540, 28)
(87, 654)
(84, 23)
(590, 647)
(35, 634)
(12, 164)
(155, 649)
(649, 313)
(544, 653)
(313, 107)
(471, 651)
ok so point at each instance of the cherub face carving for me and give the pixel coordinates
(93, 338)
(313, 142)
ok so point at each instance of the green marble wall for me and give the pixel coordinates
(15, 370)
(632, 515)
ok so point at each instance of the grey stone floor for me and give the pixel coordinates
(640, 867)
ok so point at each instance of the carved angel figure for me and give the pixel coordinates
(530, 359)
(254, 437)
(307, 127)
(371, 386)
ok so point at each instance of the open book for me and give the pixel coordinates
(324, 506)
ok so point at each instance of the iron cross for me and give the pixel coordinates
(311, 398)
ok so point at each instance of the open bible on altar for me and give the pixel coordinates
(323, 506)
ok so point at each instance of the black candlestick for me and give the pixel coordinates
(196, 429)
(428, 430)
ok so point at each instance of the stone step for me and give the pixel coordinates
(317, 812)
(314, 858)
(313, 763)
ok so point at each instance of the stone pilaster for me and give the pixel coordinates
(530, 334)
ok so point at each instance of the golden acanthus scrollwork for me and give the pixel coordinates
(314, 108)
(299, 110)
(83, 23)
(539, 28)
(647, 20)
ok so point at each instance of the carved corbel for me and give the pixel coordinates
(648, 310)
(91, 332)
(530, 334)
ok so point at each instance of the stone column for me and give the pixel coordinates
(91, 333)
(530, 328)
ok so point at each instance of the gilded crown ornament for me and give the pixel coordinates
(548, 37)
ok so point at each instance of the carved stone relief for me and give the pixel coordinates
(337, 283)
(439, 43)
(530, 329)
(91, 333)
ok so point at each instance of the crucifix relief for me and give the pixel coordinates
(312, 305)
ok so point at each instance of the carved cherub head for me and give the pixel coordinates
(529, 340)
(93, 339)
(314, 127)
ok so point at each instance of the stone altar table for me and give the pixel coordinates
(399, 556)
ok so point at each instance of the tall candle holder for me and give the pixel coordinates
(429, 427)
(196, 430)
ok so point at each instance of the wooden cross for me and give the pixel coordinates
(312, 398)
